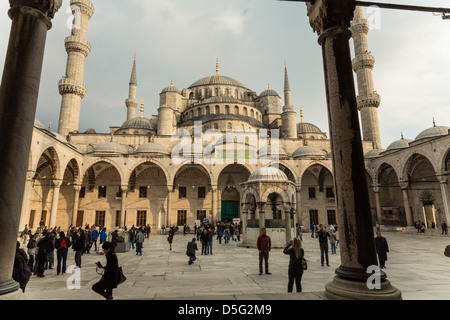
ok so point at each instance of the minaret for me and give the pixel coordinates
(288, 117)
(71, 87)
(131, 102)
(363, 63)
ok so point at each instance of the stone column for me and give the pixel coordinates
(376, 190)
(18, 99)
(262, 211)
(445, 198)
(55, 198)
(76, 203)
(244, 223)
(25, 212)
(331, 20)
(124, 190)
(408, 213)
(214, 218)
(287, 216)
(169, 205)
(298, 188)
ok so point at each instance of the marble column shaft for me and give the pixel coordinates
(18, 100)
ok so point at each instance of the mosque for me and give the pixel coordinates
(218, 150)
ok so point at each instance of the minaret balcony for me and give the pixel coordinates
(360, 26)
(85, 6)
(368, 100)
(74, 43)
(67, 85)
(362, 61)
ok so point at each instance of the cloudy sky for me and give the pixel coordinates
(180, 40)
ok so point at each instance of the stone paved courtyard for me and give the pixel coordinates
(416, 266)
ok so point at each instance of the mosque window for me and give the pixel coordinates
(227, 92)
(143, 192)
(217, 109)
(191, 95)
(102, 192)
(141, 219)
(237, 94)
(207, 110)
(331, 215)
(227, 109)
(245, 112)
(230, 126)
(312, 193)
(252, 113)
(329, 192)
(82, 192)
(201, 192)
(236, 109)
(314, 216)
(182, 192)
(216, 92)
(100, 218)
(181, 217)
(201, 214)
(216, 126)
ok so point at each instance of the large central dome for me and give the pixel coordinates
(217, 80)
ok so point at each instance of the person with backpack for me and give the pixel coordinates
(62, 245)
(295, 272)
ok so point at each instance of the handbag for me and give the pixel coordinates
(121, 277)
(447, 251)
(304, 264)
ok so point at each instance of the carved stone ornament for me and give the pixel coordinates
(41, 9)
(326, 14)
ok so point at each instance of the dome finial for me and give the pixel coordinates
(268, 86)
(171, 83)
(142, 109)
(434, 123)
(402, 135)
(217, 67)
(301, 114)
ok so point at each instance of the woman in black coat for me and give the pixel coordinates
(21, 271)
(382, 248)
(109, 280)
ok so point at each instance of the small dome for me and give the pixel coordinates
(153, 148)
(138, 123)
(308, 151)
(305, 127)
(171, 88)
(432, 132)
(266, 151)
(39, 125)
(268, 174)
(110, 147)
(269, 92)
(373, 153)
(399, 144)
(90, 131)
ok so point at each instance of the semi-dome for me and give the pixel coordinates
(110, 147)
(305, 127)
(308, 151)
(373, 153)
(270, 174)
(399, 144)
(217, 80)
(138, 123)
(152, 148)
(432, 132)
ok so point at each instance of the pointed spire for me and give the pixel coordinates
(268, 86)
(171, 83)
(434, 123)
(217, 67)
(133, 79)
(142, 109)
(286, 78)
(402, 135)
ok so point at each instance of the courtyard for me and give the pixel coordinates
(416, 266)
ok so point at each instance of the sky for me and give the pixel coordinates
(180, 40)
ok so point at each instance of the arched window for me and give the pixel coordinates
(245, 111)
(236, 109)
(216, 90)
(236, 93)
(199, 112)
(227, 92)
(230, 126)
(217, 110)
(191, 95)
(207, 110)
(227, 109)
(216, 126)
(252, 113)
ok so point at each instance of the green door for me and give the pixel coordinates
(230, 210)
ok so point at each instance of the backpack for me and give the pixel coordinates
(63, 244)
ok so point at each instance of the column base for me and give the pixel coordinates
(8, 287)
(342, 289)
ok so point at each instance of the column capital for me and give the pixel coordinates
(403, 184)
(77, 187)
(330, 16)
(44, 10)
(442, 179)
(56, 183)
(124, 188)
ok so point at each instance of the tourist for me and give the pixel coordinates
(103, 236)
(78, 246)
(24, 234)
(337, 238)
(88, 241)
(444, 227)
(295, 272)
(21, 270)
(333, 242)
(219, 235)
(31, 246)
(109, 279)
(44, 247)
(114, 239)
(382, 248)
(139, 241)
(323, 242)
(377, 225)
(62, 245)
(95, 235)
(51, 254)
(190, 251)
(132, 237)
(264, 246)
(210, 241)
(226, 235)
(311, 227)
(170, 237)
(204, 241)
